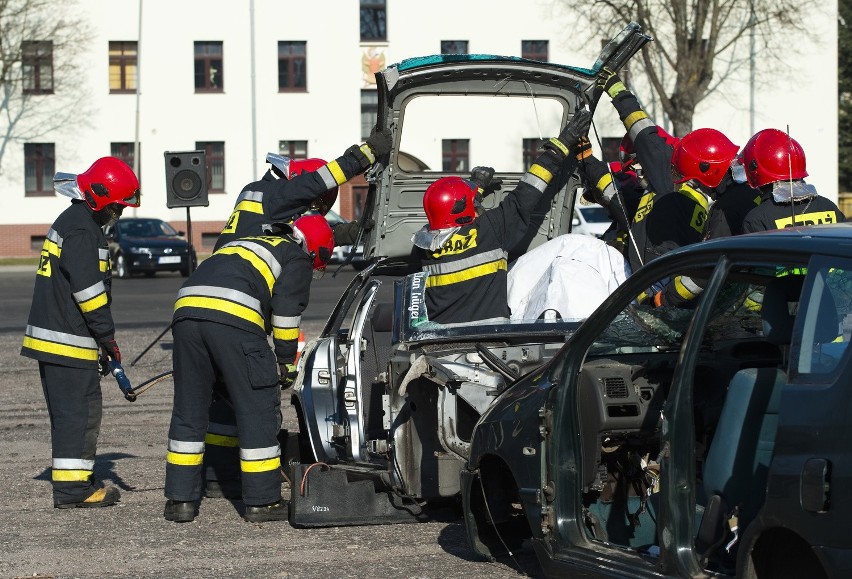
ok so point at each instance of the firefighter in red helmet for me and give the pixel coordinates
(680, 175)
(70, 330)
(248, 288)
(289, 188)
(465, 251)
(775, 164)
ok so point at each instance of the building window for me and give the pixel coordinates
(454, 47)
(208, 67)
(37, 242)
(534, 50)
(122, 66)
(293, 149)
(124, 151)
(37, 66)
(530, 152)
(215, 154)
(208, 240)
(292, 67)
(454, 155)
(373, 20)
(39, 168)
(369, 111)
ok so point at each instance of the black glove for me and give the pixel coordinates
(485, 180)
(346, 233)
(380, 142)
(286, 375)
(109, 351)
(577, 127)
(610, 82)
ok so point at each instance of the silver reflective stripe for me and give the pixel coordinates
(638, 126)
(690, 285)
(184, 447)
(251, 196)
(53, 236)
(286, 321)
(534, 181)
(90, 292)
(221, 292)
(73, 464)
(222, 429)
(467, 262)
(61, 337)
(260, 453)
(327, 177)
(261, 252)
(103, 254)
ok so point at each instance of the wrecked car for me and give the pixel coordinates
(709, 440)
(386, 399)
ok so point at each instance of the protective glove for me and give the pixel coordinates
(583, 148)
(108, 351)
(286, 375)
(577, 127)
(485, 180)
(610, 82)
(346, 233)
(380, 142)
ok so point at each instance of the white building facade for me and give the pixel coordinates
(209, 78)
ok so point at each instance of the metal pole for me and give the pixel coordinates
(253, 95)
(136, 151)
(751, 21)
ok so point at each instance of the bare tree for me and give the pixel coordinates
(699, 45)
(40, 92)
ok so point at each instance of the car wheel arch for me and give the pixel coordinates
(769, 549)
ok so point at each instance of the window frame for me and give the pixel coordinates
(369, 111)
(530, 52)
(288, 61)
(293, 148)
(204, 60)
(215, 155)
(36, 64)
(374, 13)
(451, 154)
(43, 163)
(127, 153)
(124, 56)
(455, 47)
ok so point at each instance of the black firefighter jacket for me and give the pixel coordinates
(259, 284)
(70, 312)
(278, 200)
(771, 215)
(669, 216)
(468, 275)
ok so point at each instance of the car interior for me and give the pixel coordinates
(624, 389)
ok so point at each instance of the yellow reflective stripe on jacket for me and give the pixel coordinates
(466, 274)
(285, 333)
(697, 196)
(686, 288)
(260, 465)
(60, 349)
(94, 303)
(541, 173)
(70, 475)
(92, 298)
(258, 263)
(250, 206)
(222, 305)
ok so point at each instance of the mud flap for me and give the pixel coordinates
(327, 498)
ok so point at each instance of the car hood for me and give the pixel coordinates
(163, 241)
(449, 113)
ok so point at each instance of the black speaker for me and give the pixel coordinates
(186, 179)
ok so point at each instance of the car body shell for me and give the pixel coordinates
(564, 421)
(147, 245)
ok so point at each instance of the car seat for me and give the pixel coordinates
(737, 463)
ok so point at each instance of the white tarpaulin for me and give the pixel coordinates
(566, 277)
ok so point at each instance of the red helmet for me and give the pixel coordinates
(704, 155)
(449, 202)
(316, 237)
(772, 155)
(627, 155)
(109, 180)
(324, 202)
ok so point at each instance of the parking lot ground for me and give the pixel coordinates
(132, 539)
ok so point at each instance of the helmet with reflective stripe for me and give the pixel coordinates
(324, 202)
(449, 202)
(704, 155)
(316, 237)
(772, 155)
(109, 180)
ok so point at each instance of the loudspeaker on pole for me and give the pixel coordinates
(186, 179)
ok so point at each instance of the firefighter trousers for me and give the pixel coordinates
(204, 350)
(74, 403)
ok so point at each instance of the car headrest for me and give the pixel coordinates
(775, 311)
(827, 322)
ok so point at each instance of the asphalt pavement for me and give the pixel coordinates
(132, 539)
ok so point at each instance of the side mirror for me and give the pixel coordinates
(181, 233)
(576, 221)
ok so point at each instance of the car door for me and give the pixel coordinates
(450, 113)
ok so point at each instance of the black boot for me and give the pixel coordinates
(260, 514)
(180, 511)
(102, 497)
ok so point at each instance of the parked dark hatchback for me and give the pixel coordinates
(707, 441)
(147, 245)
